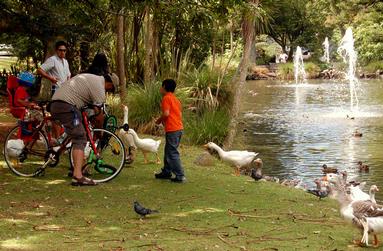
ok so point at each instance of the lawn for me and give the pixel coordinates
(212, 211)
(6, 62)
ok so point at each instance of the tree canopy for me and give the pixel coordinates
(159, 35)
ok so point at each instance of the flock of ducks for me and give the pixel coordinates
(356, 206)
(247, 163)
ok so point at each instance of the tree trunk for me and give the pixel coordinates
(120, 55)
(231, 39)
(213, 53)
(84, 55)
(137, 24)
(253, 53)
(239, 79)
(148, 70)
(155, 40)
(291, 53)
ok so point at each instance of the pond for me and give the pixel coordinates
(297, 129)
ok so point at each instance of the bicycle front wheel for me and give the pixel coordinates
(25, 157)
(110, 161)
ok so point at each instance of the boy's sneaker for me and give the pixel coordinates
(179, 179)
(163, 176)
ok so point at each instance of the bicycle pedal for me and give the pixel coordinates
(40, 173)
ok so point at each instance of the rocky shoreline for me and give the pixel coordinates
(269, 72)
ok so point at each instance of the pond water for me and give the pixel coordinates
(297, 129)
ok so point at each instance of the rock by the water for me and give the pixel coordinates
(331, 74)
(204, 159)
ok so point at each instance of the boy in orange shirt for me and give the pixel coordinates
(172, 120)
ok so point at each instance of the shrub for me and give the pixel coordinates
(203, 87)
(372, 67)
(286, 71)
(312, 70)
(144, 105)
(209, 126)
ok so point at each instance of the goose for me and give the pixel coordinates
(237, 159)
(326, 169)
(355, 188)
(373, 190)
(146, 145)
(364, 214)
(363, 167)
(126, 138)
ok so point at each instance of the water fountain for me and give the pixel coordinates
(326, 55)
(299, 68)
(347, 52)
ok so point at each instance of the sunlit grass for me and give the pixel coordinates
(6, 62)
(191, 217)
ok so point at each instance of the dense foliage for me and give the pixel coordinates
(199, 43)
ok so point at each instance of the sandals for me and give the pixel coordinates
(83, 181)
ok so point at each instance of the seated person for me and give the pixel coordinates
(22, 99)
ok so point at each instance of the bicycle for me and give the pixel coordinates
(104, 151)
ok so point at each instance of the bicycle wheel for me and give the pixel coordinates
(25, 158)
(111, 156)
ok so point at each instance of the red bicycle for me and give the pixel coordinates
(28, 153)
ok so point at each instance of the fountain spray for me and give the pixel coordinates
(347, 52)
(299, 68)
(326, 55)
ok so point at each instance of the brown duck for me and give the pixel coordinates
(326, 169)
(363, 167)
(357, 134)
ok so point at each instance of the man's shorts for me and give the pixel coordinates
(66, 113)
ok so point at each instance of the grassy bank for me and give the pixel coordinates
(286, 71)
(6, 62)
(213, 211)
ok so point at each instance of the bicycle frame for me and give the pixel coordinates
(48, 135)
(89, 133)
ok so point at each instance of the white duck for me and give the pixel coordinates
(15, 147)
(365, 214)
(237, 159)
(126, 138)
(146, 145)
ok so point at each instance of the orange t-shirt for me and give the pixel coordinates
(174, 121)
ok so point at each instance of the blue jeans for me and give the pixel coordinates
(172, 162)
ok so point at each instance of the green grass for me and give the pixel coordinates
(6, 62)
(193, 216)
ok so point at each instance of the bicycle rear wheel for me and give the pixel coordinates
(25, 158)
(111, 157)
